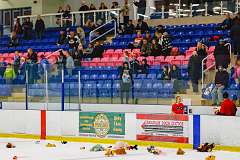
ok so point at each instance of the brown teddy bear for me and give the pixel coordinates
(10, 145)
(211, 157)
(180, 151)
(109, 152)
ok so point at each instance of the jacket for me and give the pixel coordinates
(222, 78)
(228, 108)
(9, 73)
(222, 56)
(235, 32)
(178, 108)
(39, 26)
(194, 67)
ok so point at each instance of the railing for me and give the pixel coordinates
(57, 19)
(92, 35)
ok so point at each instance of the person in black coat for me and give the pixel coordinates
(98, 50)
(222, 55)
(129, 28)
(175, 77)
(235, 36)
(156, 49)
(141, 4)
(142, 26)
(143, 68)
(194, 70)
(13, 41)
(39, 27)
(27, 29)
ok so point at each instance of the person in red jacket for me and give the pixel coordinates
(178, 107)
(228, 108)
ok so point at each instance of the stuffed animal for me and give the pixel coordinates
(154, 150)
(120, 144)
(120, 151)
(50, 145)
(109, 152)
(206, 147)
(180, 151)
(97, 148)
(135, 147)
(64, 142)
(10, 145)
(14, 157)
(82, 148)
(211, 157)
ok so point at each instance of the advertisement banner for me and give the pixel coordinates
(102, 125)
(162, 127)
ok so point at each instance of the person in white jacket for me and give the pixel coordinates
(69, 64)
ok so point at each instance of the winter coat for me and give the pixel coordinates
(194, 67)
(222, 56)
(222, 78)
(39, 26)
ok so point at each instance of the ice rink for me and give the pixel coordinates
(29, 150)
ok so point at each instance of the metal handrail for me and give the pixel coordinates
(115, 30)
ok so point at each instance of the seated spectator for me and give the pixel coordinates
(143, 68)
(178, 106)
(89, 25)
(201, 50)
(69, 64)
(31, 56)
(9, 74)
(39, 27)
(228, 108)
(156, 49)
(135, 64)
(157, 36)
(81, 35)
(222, 55)
(88, 51)
(27, 29)
(13, 42)
(73, 42)
(194, 70)
(160, 29)
(129, 27)
(145, 48)
(221, 82)
(175, 76)
(98, 50)
(126, 81)
(142, 26)
(166, 44)
(166, 73)
(16, 61)
(148, 37)
(18, 27)
(227, 23)
(236, 74)
(138, 39)
(62, 38)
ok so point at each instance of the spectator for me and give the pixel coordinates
(89, 25)
(73, 42)
(221, 82)
(39, 27)
(60, 10)
(157, 36)
(32, 56)
(156, 49)
(2, 68)
(89, 51)
(101, 15)
(222, 55)
(129, 28)
(138, 39)
(67, 18)
(125, 12)
(32, 66)
(143, 68)
(194, 70)
(135, 66)
(77, 55)
(18, 27)
(145, 48)
(175, 76)
(236, 74)
(235, 37)
(126, 81)
(165, 73)
(142, 26)
(102, 6)
(13, 42)
(61, 60)
(228, 108)
(16, 61)
(69, 64)
(126, 57)
(141, 4)
(81, 35)
(92, 7)
(43, 67)
(9, 74)
(201, 50)
(148, 37)
(98, 50)
(84, 7)
(160, 29)
(227, 23)
(22, 67)
(178, 106)
(166, 44)
(62, 38)
(114, 5)
(27, 29)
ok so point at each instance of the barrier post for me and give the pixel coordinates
(196, 131)
(26, 86)
(62, 90)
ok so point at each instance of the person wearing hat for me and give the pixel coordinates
(222, 54)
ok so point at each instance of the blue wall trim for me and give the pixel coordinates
(196, 131)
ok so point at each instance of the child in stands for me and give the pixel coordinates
(178, 106)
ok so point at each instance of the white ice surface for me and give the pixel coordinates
(28, 150)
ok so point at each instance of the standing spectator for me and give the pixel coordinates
(89, 51)
(201, 50)
(166, 73)
(32, 66)
(125, 12)
(135, 66)
(221, 82)
(77, 55)
(160, 29)
(98, 50)
(84, 7)
(92, 8)
(73, 42)
(142, 26)
(166, 44)
(67, 17)
(18, 27)
(175, 77)
(13, 42)
(141, 4)
(194, 70)
(16, 61)
(178, 106)
(62, 38)
(61, 61)
(143, 68)
(222, 55)
(32, 56)
(235, 37)
(81, 35)
(228, 108)
(27, 29)
(156, 49)
(69, 64)
(101, 15)
(236, 74)
(227, 23)
(126, 81)
(22, 67)
(145, 48)
(39, 27)
(60, 10)
(9, 74)
(129, 27)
